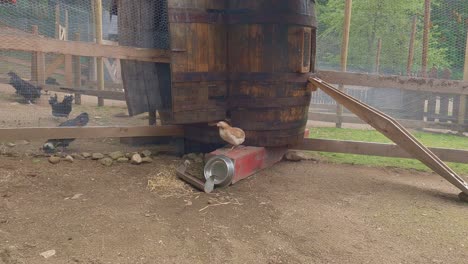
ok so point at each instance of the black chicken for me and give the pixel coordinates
(62, 109)
(24, 88)
(52, 144)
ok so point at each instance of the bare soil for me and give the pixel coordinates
(290, 213)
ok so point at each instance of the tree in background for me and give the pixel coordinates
(385, 19)
(451, 18)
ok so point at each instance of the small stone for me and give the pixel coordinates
(293, 156)
(78, 156)
(116, 155)
(76, 196)
(48, 254)
(146, 153)
(136, 159)
(106, 162)
(54, 160)
(146, 160)
(86, 155)
(122, 160)
(69, 159)
(11, 145)
(97, 156)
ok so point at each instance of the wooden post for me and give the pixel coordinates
(67, 36)
(68, 58)
(37, 63)
(57, 21)
(427, 25)
(344, 56)
(99, 61)
(409, 68)
(377, 57)
(462, 111)
(77, 72)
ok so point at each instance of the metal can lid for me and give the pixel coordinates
(222, 168)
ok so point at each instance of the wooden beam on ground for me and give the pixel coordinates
(377, 149)
(32, 43)
(394, 81)
(89, 132)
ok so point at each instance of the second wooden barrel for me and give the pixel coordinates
(271, 48)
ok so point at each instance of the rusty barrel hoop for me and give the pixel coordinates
(271, 53)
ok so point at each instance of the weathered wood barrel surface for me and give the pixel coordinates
(199, 61)
(271, 47)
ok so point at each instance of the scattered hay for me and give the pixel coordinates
(166, 183)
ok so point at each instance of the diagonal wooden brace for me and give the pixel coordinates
(394, 131)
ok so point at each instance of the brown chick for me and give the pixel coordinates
(232, 135)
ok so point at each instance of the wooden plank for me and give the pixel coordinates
(412, 124)
(89, 132)
(77, 72)
(85, 49)
(394, 81)
(110, 95)
(377, 149)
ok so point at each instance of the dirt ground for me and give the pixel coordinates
(291, 213)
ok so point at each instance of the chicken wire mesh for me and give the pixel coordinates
(71, 20)
(392, 24)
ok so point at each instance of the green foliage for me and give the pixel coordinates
(391, 20)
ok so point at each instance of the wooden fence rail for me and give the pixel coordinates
(377, 149)
(393, 81)
(44, 133)
(33, 43)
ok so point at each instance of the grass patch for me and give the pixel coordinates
(429, 139)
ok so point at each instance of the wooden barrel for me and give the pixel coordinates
(271, 47)
(199, 76)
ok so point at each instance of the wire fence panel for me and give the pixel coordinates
(388, 37)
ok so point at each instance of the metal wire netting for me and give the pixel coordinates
(387, 37)
(70, 20)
